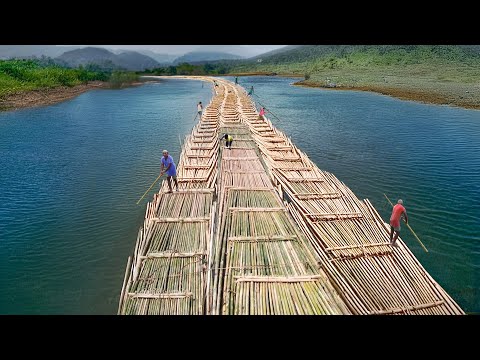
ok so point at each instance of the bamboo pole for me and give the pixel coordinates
(124, 286)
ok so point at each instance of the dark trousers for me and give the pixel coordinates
(228, 143)
(170, 182)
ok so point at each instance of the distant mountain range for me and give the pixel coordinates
(162, 59)
(128, 60)
(74, 56)
(296, 57)
(196, 57)
(28, 51)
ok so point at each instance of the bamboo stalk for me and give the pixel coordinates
(122, 294)
(276, 279)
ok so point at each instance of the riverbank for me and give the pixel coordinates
(421, 89)
(450, 95)
(47, 96)
(50, 96)
(262, 73)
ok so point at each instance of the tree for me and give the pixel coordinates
(172, 70)
(208, 68)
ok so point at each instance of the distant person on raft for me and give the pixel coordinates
(199, 110)
(262, 113)
(397, 212)
(228, 140)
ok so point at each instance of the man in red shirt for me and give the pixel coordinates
(397, 212)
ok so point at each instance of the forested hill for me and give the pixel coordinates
(129, 60)
(311, 58)
(196, 57)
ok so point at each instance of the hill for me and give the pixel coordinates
(132, 60)
(196, 57)
(275, 52)
(314, 58)
(128, 60)
(162, 59)
(29, 51)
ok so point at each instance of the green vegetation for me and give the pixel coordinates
(119, 78)
(447, 74)
(215, 68)
(351, 65)
(460, 63)
(25, 75)
(441, 74)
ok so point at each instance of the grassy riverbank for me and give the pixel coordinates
(26, 83)
(409, 83)
(433, 74)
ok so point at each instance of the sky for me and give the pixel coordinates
(242, 50)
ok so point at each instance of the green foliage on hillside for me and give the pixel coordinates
(448, 61)
(352, 65)
(24, 75)
(188, 69)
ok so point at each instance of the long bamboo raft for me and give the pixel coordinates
(260, 229)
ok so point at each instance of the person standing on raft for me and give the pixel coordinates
(168, 166)
(397, 212)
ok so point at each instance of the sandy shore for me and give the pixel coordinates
(47, 96)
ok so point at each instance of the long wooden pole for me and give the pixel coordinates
(149, 188)
(413, 232)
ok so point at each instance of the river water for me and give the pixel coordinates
(71, 174)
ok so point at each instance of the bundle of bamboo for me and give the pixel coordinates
(325, 252)
(167, 274)
(350, 238)
(256, 237)
(276, 297)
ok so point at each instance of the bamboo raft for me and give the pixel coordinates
(348, 234)
(264, 265)
(168, 271)
(260, 229)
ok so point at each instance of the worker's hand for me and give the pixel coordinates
(161, 173)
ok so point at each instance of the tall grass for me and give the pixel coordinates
(119, 78)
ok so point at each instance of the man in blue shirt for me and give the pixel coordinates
(168, 166)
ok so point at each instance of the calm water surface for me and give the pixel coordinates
(71, 173)
(428, 155)
(70, 177)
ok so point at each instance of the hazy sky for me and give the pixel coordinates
(243, 50)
